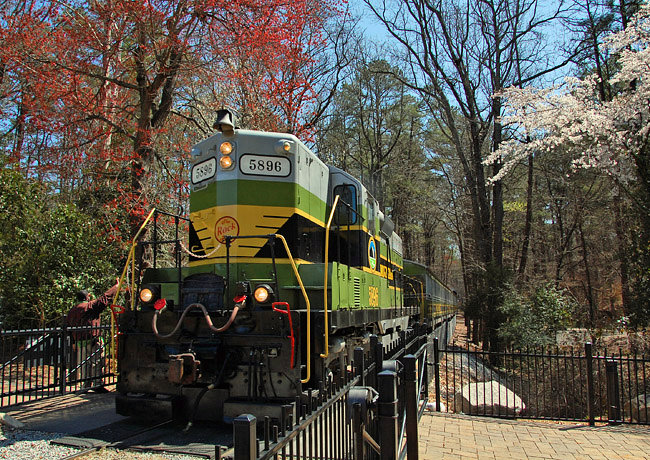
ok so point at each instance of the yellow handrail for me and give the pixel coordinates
(129, 259)
(424, 301)
(326, 271)
(304, 293)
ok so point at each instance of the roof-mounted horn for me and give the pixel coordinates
(225, 122)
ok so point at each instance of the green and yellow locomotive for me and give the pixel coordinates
(291, 266)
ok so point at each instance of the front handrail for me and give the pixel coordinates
(326, 272)
(129, 260)
(304, 294)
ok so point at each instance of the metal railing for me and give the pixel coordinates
(546, 383)
(320, 429)
(40, 363)
(371, 413)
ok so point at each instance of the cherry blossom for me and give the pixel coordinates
(608, 135)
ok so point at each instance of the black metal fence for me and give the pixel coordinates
(321, 429)
(547, 383)
(372, 412)
(40, 363)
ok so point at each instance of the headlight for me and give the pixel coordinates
(146, 295)
(263, 293)
(225, 162)
(149, 293)
(283, 146)
(225, 148)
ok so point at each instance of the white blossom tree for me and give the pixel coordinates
(609, 134)
(612, 136)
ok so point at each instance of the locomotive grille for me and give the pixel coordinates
(357, 292)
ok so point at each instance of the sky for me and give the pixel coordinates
(375, 33)
(374, 30)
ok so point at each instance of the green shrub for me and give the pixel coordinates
(533, 320)
(50, 250)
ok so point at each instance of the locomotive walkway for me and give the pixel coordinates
(451, 436)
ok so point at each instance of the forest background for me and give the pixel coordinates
(507, 139)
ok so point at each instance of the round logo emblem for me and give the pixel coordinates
(226, 226)
(372, 253)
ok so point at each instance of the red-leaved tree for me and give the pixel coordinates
(88, 88)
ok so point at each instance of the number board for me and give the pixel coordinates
(264, 165)
(204, 170)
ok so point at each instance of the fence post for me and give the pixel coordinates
(387, 411)
(283, 420)
(64, 358)
(436, 371)
(412, 397)
(357, 430)
(613, 393)
(379, 360)
(374, 340)
(360, 365)
(245, 437)
(590, 383)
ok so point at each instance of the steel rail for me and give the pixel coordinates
(115, 444)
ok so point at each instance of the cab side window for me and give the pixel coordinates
(371, 217)
(348, 194)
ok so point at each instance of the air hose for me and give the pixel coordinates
(208, 320)
(202, 393)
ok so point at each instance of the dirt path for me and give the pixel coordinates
(459, 338)
(457, 369)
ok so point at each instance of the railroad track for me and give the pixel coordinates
(156, 439)
(118, 444)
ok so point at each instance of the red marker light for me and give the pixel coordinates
(160, 304)
(239, 298)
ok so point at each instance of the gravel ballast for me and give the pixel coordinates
(27, 445)
(24, 444)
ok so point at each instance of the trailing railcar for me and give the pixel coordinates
(436, 299)
(291, 266)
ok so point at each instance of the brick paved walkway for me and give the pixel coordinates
(450, 436)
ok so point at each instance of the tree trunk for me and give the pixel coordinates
(529, 221)
(622, 254)
(589, 289)
(19, 138)
(475, 331)
(497, 189)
